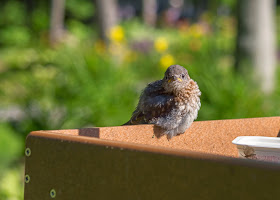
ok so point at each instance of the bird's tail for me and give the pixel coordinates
(127, 123)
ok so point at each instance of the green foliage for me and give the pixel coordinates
(11, 146)
(13, 13)
(68, 88)
(12, 24)
(15, 35)
(11, 185)
(80, 9)
(40, 20)
(79, 29)
(83, 84)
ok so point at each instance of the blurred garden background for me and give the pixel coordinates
(82, 63)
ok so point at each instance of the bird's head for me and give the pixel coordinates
(175, 78)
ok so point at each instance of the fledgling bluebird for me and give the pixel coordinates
(171, 103)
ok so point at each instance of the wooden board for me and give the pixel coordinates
(213, 137)
(81, 164)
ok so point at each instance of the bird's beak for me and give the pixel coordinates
(173, 79)
(179, 79)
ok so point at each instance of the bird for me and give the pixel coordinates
(171, 103)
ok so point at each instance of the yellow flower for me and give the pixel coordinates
(166, 60)
(161, 44)
(196, 30)
(116, 34)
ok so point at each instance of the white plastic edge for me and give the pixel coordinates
(257, 141)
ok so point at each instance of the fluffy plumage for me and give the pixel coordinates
(171, 103)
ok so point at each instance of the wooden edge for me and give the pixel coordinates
(195, 122)
(153, 149)
(211, 137)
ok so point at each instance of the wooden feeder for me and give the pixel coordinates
(133, 162)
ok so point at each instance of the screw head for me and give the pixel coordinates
(27, 178)
(52, 193)
(28, 152)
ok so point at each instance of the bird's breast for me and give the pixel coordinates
(182, 107)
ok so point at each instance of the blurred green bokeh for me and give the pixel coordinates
(81, 83)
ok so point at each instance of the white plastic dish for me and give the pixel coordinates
(258, 147)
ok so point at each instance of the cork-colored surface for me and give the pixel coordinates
(212, 137)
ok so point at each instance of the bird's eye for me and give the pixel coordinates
(183, 75)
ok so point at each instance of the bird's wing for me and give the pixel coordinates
(157, 106)
(153, 103)
(137, 118)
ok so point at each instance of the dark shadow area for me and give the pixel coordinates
(278, 135)
(89, 132)
(158, 131)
